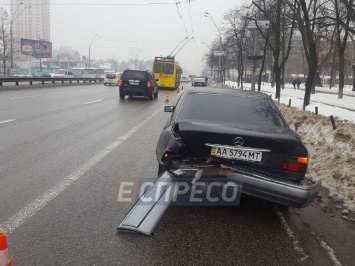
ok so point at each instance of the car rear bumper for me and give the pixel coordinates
(111, 82)
(285, 193)
(135, 91)
(260, 186)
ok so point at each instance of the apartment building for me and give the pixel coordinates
(30, 19)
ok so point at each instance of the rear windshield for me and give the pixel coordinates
(230, 110)
(135, 75)
(163, 68)
(111, 76)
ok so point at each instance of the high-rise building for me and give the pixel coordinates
(30, 19)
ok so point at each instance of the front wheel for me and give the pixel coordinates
(122, 96)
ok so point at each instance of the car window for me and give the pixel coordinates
(135, 75)
(111, 76)
(229, 110)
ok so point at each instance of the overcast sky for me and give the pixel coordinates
(142, 28)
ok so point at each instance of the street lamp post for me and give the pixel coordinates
(208, 15)
(135, 59)
(14, 17)
(94, 39)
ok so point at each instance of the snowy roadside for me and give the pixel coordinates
(331, 152)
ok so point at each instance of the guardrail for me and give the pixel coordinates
(43, 80)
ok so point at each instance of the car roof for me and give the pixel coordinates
(226, 91)
(135, 70)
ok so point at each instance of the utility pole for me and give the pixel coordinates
(256, 46)
(208, 15)
(15, 15)
(95, 38)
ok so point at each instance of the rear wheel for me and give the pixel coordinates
(151, 95)
(122, 96)
(161, 169)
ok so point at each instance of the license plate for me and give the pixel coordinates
(238, 154)
(133, 82)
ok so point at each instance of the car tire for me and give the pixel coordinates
(161, 169)
(151, 95)
(156, 94)
(105, 84)
(122, 96)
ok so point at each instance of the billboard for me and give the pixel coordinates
(36, 48)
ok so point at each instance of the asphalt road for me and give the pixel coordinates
(62, 152)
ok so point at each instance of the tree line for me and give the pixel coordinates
(320, 31)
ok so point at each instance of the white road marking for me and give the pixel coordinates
(7, 121)
(291, 235)
(94, 101)
(32, 208)
(87, 90)
(24, 97)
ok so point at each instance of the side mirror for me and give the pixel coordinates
(156, 79)
(169, 109)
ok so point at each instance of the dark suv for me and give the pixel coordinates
(138, 83)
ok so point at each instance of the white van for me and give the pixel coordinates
(64, 73)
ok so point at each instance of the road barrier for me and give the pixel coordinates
(4, 252)
(43, 80)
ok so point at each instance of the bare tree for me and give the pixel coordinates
(279, 37)
(306, 17)
(342, 13)
(4, 37)
(237, 38)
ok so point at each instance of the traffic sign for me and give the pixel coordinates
(219, 53)
(263, 24)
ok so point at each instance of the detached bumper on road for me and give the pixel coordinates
(145, 218)
(285, 193)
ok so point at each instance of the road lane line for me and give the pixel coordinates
(7, 121)
(24, 97)
(94, 101)
(87, 90)
(295, 242)
(32, 208)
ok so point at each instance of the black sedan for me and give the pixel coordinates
(240, 135)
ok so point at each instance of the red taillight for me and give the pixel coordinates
(166, 156)
(120, 82)
(300, 165)
(148, 84)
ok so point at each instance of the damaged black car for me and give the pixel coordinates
(240, 135)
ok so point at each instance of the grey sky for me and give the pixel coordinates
(128, 26)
